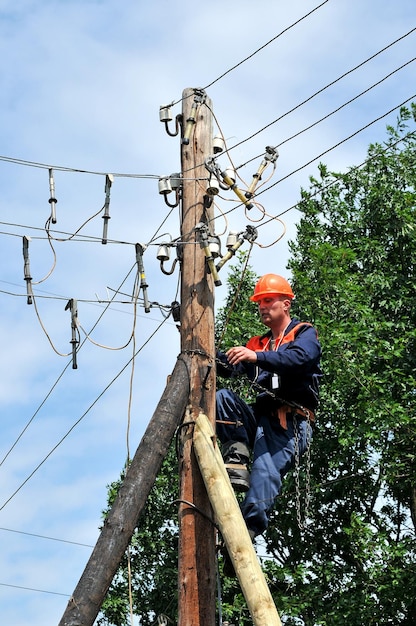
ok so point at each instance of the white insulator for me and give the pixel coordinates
(218, 144)
(213, 186)
(163, 253)
(230, 172)
(231, 239)
(214, 246)
(165, 114)
(164, 185)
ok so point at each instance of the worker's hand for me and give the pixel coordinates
(240, 353)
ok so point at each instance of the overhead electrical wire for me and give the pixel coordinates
(333, 182)
(79, 420)
(54, 593)
(37, 536)
(36, 164)
(315, 158)
(250, 56)
(58, 379)
(339, 143)
(316, 93)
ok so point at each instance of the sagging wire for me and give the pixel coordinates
(72, 305)
(139, 283)
(52, 219)
(109, 179)
(30, 295)
(64, 354)
(284, 229)
(59, 377)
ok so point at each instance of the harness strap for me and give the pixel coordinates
(283, 411)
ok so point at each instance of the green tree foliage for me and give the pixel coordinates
(353, 562)
(353, 265)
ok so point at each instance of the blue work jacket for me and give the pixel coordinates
(289, 374)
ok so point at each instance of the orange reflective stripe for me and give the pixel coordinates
(257, 344)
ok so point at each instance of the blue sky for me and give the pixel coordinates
(81, 84)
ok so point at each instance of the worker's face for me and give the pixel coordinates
(273, 309)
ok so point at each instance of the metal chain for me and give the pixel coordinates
(302, 523)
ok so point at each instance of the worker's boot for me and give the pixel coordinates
(236, 457)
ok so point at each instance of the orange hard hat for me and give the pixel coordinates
(272, 284)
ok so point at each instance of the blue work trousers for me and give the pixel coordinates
(273, 452)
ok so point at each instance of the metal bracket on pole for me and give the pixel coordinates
(109, 179)
(143, 284)
(73, 307)
(212, 167)
(270, 157)
(202, 229)
(52, 199)
(199, 98)
(250, 235)
(27, 275)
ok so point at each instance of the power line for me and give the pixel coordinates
(377, 119)
(295, 206)
(21, 532)
(55, 593)
(376, 84)
(28, 163)
(333, 182)
(250, 56)
(75, 170)
(79, 419)
(316, 93)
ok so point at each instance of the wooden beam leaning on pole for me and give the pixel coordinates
(232, 526)
(85, 603)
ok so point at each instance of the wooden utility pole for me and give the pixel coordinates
(197, 570)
